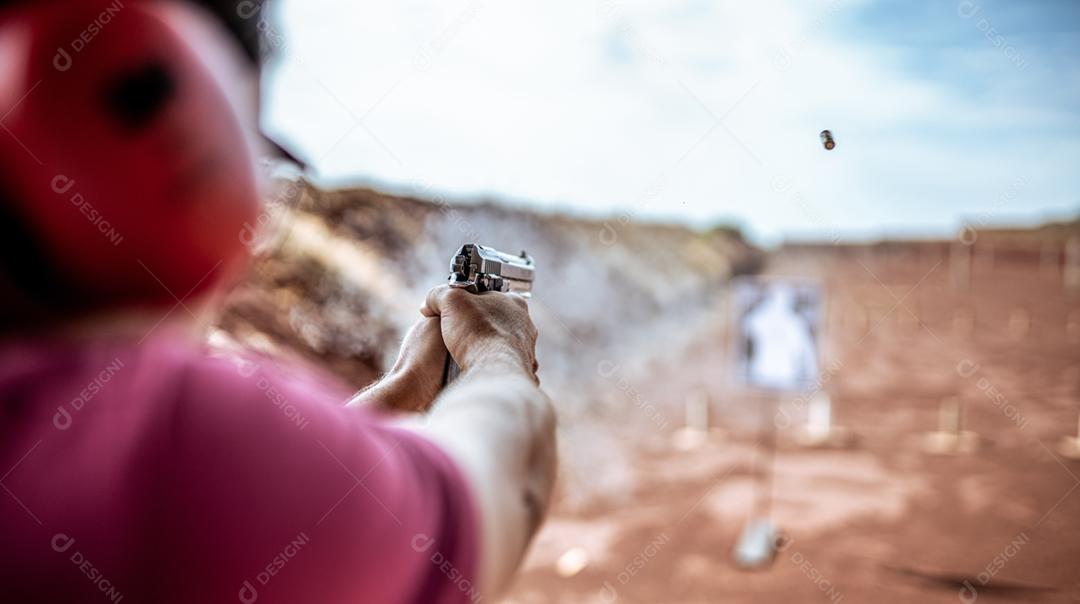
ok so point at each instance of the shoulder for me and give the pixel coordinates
(268, 460)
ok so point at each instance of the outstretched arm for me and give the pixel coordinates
(493, 421)
(499, 428)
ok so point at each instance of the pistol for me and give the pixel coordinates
(477, 269)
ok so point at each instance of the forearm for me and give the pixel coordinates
(399, 390)
(500, 429)
(416, 377)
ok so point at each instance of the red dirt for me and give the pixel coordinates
(883, 521)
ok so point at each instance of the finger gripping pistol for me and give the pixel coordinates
(478, 269)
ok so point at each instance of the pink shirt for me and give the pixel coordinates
(152, 473)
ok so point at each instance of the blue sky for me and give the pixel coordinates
(944, 112)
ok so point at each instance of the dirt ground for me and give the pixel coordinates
(883, 520)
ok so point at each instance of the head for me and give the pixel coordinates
(128, 150)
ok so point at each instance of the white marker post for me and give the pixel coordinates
(950, 416)
(1070, 445)
(695, 432)
(819, 431)
(819, 416)
(960, 265)
(950, 436)
(697, 411)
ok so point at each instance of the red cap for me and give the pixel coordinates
(122, 155)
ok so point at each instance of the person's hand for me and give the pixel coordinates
(485, 331)
(416, 378)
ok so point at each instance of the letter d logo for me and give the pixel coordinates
(248, 593)
(247, 235)
(62, 60)
(606, 368)
(61, 419)
(968, 594)
(967, 368)
(246, 368)
(607, 234)
(967, 9)
(61, 542)
(608, 594)
(62, 184)
(782, 420)
(421, 542)
(246, 9)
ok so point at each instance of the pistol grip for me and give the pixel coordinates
(450, 370)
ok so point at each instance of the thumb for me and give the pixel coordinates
(440, 301)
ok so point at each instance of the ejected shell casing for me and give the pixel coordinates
(827, 140)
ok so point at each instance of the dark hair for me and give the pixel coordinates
(243, 18)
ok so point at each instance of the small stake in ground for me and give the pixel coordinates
(572, 562)
(819, 431)
(950, 437)
(696, 431)
(1070, 445)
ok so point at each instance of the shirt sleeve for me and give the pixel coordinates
(273, 491)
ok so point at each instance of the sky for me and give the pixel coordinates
(944, 112)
